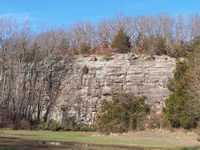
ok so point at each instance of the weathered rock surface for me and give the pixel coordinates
(92, 80)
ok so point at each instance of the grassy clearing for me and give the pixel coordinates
(146, 139)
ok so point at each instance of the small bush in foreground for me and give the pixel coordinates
(124, 113)
(50, 125)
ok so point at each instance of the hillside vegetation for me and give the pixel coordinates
(33, 66)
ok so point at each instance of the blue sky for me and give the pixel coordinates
(65, 12)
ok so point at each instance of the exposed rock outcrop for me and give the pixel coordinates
(92, 80)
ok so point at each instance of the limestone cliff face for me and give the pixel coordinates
(93, 79)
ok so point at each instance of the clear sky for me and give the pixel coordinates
(64, 12)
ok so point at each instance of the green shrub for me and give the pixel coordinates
(50, 125)
(54, 125)
(177, 112)
(84, 127)
(69, 123)
(42, 126)
(124, 113)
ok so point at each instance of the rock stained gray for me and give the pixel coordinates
(93, 79)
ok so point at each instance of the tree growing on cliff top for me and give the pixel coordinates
(85, 48)
(121, 42)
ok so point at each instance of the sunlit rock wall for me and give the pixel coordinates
(93, 79)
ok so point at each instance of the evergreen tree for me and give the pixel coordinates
(182, 107)
(121, 42)
(123, 113)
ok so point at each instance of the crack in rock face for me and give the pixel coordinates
(92, 80)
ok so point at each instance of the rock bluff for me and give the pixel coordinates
(94, 78)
